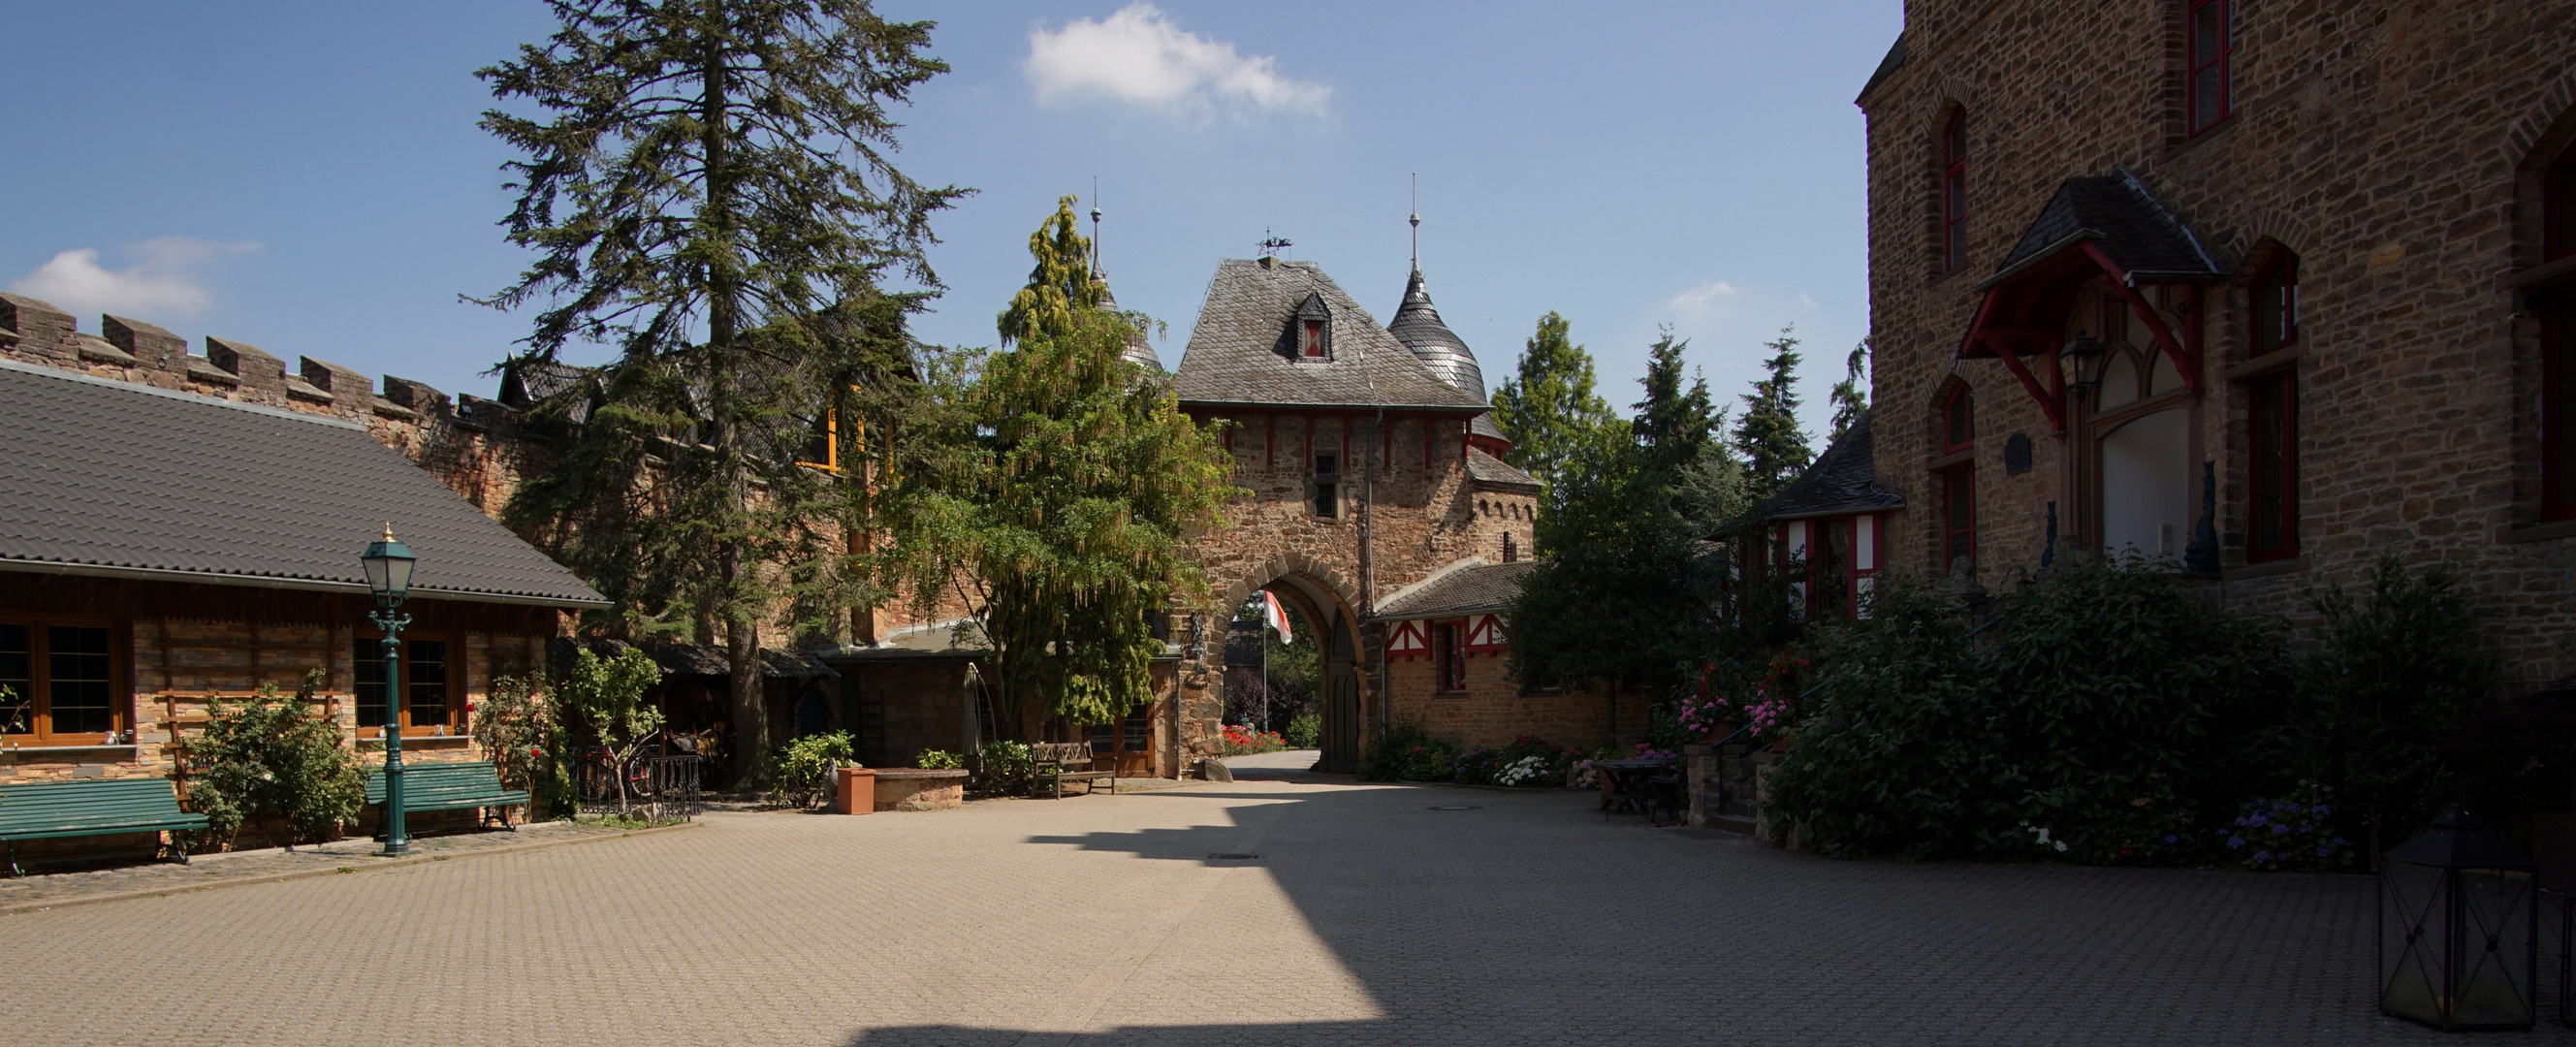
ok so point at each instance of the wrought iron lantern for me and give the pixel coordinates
(2459, 929)
(388, 565)
(2083, 358)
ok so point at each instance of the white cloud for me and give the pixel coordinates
(1138, 56)
(1713, 297)
(161, 282)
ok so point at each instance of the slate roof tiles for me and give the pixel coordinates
(1473, 589)
(1244, 349)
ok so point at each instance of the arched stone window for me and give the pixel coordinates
(1954, 191)
(2272, 413)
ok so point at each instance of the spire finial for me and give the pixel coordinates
(389, 530)
(1095, 225)
(1416, 220)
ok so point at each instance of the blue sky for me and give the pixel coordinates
(308, 177)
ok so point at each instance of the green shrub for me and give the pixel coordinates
(1305, 731)
(1383, 759)
(524, 739)
(937, 760)
(2105, 710)
(1005, 769)
(800, 772)
(271, 757)
(2397, 674)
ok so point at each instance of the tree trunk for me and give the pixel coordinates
(724, 294)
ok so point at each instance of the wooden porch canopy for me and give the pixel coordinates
(2098, 226)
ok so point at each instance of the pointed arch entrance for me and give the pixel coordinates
(1325, 604)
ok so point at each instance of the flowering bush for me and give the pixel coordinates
(2294, 833)
(1239, 740)
(1528, 761)
(1587, 776)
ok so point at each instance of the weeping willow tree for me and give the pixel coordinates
(707, 190)
(1058, 498)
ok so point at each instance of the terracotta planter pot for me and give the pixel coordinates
(858, 791)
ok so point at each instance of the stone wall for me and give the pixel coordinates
(1492, 710)
(2394, 148)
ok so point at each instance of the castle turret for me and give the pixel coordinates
(1417, 324)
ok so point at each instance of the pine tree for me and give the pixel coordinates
(1767, 434)
(708, 191)
(1056, 497)
(1549, 411)
(1851, 395)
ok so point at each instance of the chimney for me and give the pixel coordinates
(256, 369)
(148, 344)
(35, 326)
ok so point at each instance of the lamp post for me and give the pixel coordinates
(388, 565)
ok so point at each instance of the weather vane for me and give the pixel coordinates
(1271, 244)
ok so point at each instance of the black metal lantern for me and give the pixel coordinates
(388, 565)
(2083, 363)
(2459, 929)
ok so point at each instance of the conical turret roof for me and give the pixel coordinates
(1139, 351)
(1417, 324)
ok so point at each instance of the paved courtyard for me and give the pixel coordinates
(1372, 914)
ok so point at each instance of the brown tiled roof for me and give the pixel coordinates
(1244, 349)
(1474, 589)
(2120, 217)
(1844, 479)
(101, 477)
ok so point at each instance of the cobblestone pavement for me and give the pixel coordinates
(211, 870)
(1372, 914)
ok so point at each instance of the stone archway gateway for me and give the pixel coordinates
(1345, 694)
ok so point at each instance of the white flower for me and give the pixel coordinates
(2061, 845)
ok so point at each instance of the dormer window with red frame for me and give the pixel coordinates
(1314, 341)
(1958, 421)
(1954, 193)
(2276, 306)
(2210, 29)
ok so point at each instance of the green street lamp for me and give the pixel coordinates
(389, 564)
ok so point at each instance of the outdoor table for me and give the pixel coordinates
(1624, 782)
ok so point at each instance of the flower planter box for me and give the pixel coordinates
(856, 792)
(907, 789)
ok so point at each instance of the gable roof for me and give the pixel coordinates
(2121, 219)
(1473, 589)
(1244, 352)
(1487, 469)
(101, 477)
(1844, 479)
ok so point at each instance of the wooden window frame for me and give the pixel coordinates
(1950, 531)
(2281, 273)
(1449, 657)
(2280, 389)
(1954, 192)
(39, 732)
(2222, 61)
(2557, 309)
(458, 724)
(1324, 483)
(1951, 441)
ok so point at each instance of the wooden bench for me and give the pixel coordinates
(450, 787)
(92, 807)
(1061, 762)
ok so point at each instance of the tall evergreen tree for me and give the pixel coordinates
(1767, 433)
(1549, 411)
(1615, 601)
(1055, 497)
(1851, 395)
(708, 190)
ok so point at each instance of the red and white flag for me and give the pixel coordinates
(1275, 616)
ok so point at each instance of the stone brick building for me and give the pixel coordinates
(2324, 249)
(1448, 645)
(1370, 466)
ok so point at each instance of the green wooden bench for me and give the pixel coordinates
(450, 787)
(92, 807)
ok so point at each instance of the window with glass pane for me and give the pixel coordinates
(2276, 307)
(1954, 193)
(1102, 736)
(18, 674)
(2558, 404)
(2558, 208)
(425, 683)
(1139, 732)
(2275, 471)
(369, 656)
(1958, 421)
(2210, 46)
(77, 679)
(1959, 487)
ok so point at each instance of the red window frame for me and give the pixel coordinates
(2209, 59)
(1958, 516)
(2276, 307)
(1954, 192)
(2272, 481)
(1958, 420)
(1314, 346)
(2558, 403)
